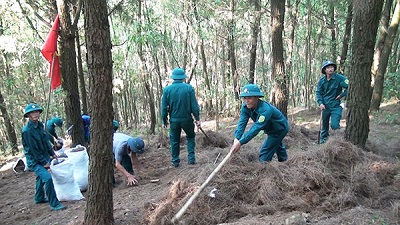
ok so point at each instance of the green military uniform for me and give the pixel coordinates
(51, 127)
(327, 91)
(38, 150)
(266, 118)
(179, 102)
(36, 147)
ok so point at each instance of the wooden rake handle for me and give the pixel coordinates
(196, 194)
(320, 127)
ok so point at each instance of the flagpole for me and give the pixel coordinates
(51, 81)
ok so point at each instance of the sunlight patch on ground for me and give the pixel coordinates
(211, 124)
(391, 102)
(296, 110)
(7, 166)
(6, 162)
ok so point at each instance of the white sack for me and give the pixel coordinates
(80, 164)
(63, 179)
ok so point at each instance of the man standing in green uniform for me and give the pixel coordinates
(332, 87)
(38, 150)
(51, 128)
(179, 102)
(266, 118)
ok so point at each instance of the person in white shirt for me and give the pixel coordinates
(125, 149)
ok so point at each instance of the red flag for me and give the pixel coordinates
(49, 52)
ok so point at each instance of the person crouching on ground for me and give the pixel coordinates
(38, 150)
(266, 118)
(125, 149)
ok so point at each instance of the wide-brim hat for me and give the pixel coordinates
(136, 145)
(251, 90)
(31, 107)
(178, 74)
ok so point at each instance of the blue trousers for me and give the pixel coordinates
(273, 144)
(335, 114)
(44, 184)
(175, 139)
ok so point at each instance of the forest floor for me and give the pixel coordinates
(329, 184)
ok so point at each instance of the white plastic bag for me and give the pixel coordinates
(63, 179)
(80, 164)
(20, 165)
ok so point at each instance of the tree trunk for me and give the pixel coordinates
(232, 56)
(69, 74)
(145, 74)
(81, 77)
(381, 41)
(366, 21)
(217, 96)
(293, 11)
(395, 58)
(156, 98)
(280, 92)
(10, 130)
(332, 27)
(82, 85)
(346, 38)
(99, 205)
(153, 118)
(384, 59)
(254, 39)
(208, 95)
(307, 69)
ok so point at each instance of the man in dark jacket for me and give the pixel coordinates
(332, 87)
(266, 118)
(38, 150)
(179, 102)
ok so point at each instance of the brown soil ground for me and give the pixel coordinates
(334, 183)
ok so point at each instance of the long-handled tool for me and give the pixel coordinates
(201, 129)
(216, 159)
(196, 194)
(320, 127)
